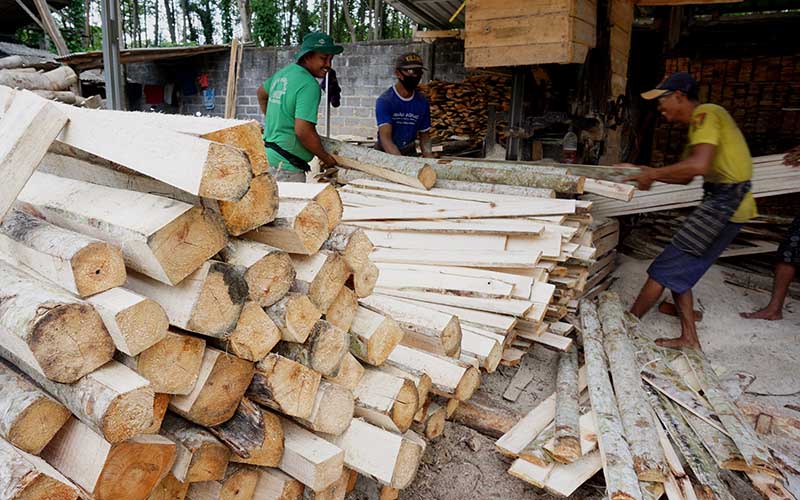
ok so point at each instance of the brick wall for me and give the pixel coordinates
(364, 70)
(756, 91)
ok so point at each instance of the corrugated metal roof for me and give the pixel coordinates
(433, 14)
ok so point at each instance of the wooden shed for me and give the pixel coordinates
(522, 32)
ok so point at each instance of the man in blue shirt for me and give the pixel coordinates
(403, 114)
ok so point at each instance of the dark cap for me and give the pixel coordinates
(318, 42)
(409, 61)
(682, 82)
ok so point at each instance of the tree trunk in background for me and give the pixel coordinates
(244, 15)
(207, 22)
(155, 38)
(288, 38)
(87, 26)
(136, 34)
(349, 21)
(189, 26)
(170, 11)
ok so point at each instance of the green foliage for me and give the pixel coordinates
(266, 26)
(226, 13)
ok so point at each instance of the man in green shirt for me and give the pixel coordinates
(289, 100)
(717, 151)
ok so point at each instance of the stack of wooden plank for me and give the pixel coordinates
(770, 178)
(461, 108)
(661, 404)
(603, 235)
(179, 317)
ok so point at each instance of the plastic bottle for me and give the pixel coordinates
(569, 151)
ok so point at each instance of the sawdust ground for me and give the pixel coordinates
(463, 464)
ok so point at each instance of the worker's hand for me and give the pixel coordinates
(328, 161)
(643, 179)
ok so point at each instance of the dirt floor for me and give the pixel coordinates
(463, 464)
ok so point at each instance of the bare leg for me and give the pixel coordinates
(784, 274)
(684, 302)
(648, 296)
(670, 309)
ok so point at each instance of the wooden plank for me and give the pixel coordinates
(23, 475)
(27, 129)
(457, 258)
(608, 189)
(310, 459)
(502, 227)
(530, 208)
(496, 281)
(509, 307)
(523, 376)
(438, 279)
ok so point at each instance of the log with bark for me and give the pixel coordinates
(253, 337)
(324, 194)
(300, 227)
(220, 386)
(414, 172)
(106, 473)
(25, 476)
(60, 337)
(567, 445)
(637, 418)
(200, 456)
(29, 417)
(352, 243)
(373, 336)
(61, 78)
(480, 415)
(255, 436)
(172, 366)
(323, 350)
(269, 274)
(320, 276)
(618, 468)
(332, 411)
(208, 302)
(285, 386)
(386, 400)
(295, 316)
(162, 238)
(451, 378)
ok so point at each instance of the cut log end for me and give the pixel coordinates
(71, 341)
(343, 309)
(567, 449)
(133, 466)
(411, 451)
(248, 138)
(220, 302)
(124, 417)
(254, 435)
(257, 207)
(301, 315)
(434, 423)
(169, 488)
(172, 365)
(41, 486)
(226, 175)
(142, 325)
(330, 200)
(220, 395)
(468, 385)
(383, 341)
(269, 279)
(37, 425)
(98, 267)
(405, 406)
(255, 334)
(311, 226)
(333, 409)
(451, 337)
(364, 281)
(185, 243)
(427, 176)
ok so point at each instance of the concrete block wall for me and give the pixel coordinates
(364, 70)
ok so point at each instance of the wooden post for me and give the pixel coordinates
(269, 274)
(105, 473)
(295, 316)
(135, 323)
(323, 351)
(324, 194)
(28, 128)
(343, 309)
(285, 386)
(29, 417)
(567, 446)
(309, 458)
(273, 484)
(621, 480)
(162, 238)
(373, 336)
(332, 411)
(208, 302)
(450, 377)
(200, 456)
(254, 336)
(26, 476)
(59, 337)
(254, 435)
(50, 26)
(385, 400)
(172, 365)
(321, 276)
(637, 419)
(300, 227)
(222, 382)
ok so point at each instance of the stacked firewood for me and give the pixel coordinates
(461, 108)
(633, 409)
(58, 84)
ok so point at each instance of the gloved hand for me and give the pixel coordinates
(334, 90)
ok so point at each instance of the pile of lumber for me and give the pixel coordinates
(186, 317)
(58, 84)
(461, 108)
(633, 410)
(603, 235)
(771, 177)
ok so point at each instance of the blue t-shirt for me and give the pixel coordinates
(407, 116)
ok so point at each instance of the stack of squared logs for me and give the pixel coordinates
(44, 78)
(630, 411)
(172, 309)
(460, 108)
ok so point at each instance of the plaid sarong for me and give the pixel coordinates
(706, 222)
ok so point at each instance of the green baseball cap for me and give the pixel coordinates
(318, 42)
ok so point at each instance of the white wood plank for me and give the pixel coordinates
(464, 258)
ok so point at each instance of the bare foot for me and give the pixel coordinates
(669, 309)
(678, 343)
(766, 313)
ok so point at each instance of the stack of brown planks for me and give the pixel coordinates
(662, 404)
(187, 317)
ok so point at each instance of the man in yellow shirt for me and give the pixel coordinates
(717, 151)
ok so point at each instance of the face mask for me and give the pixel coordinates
(410, 82)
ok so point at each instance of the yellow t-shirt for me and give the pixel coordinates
(711, 124)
